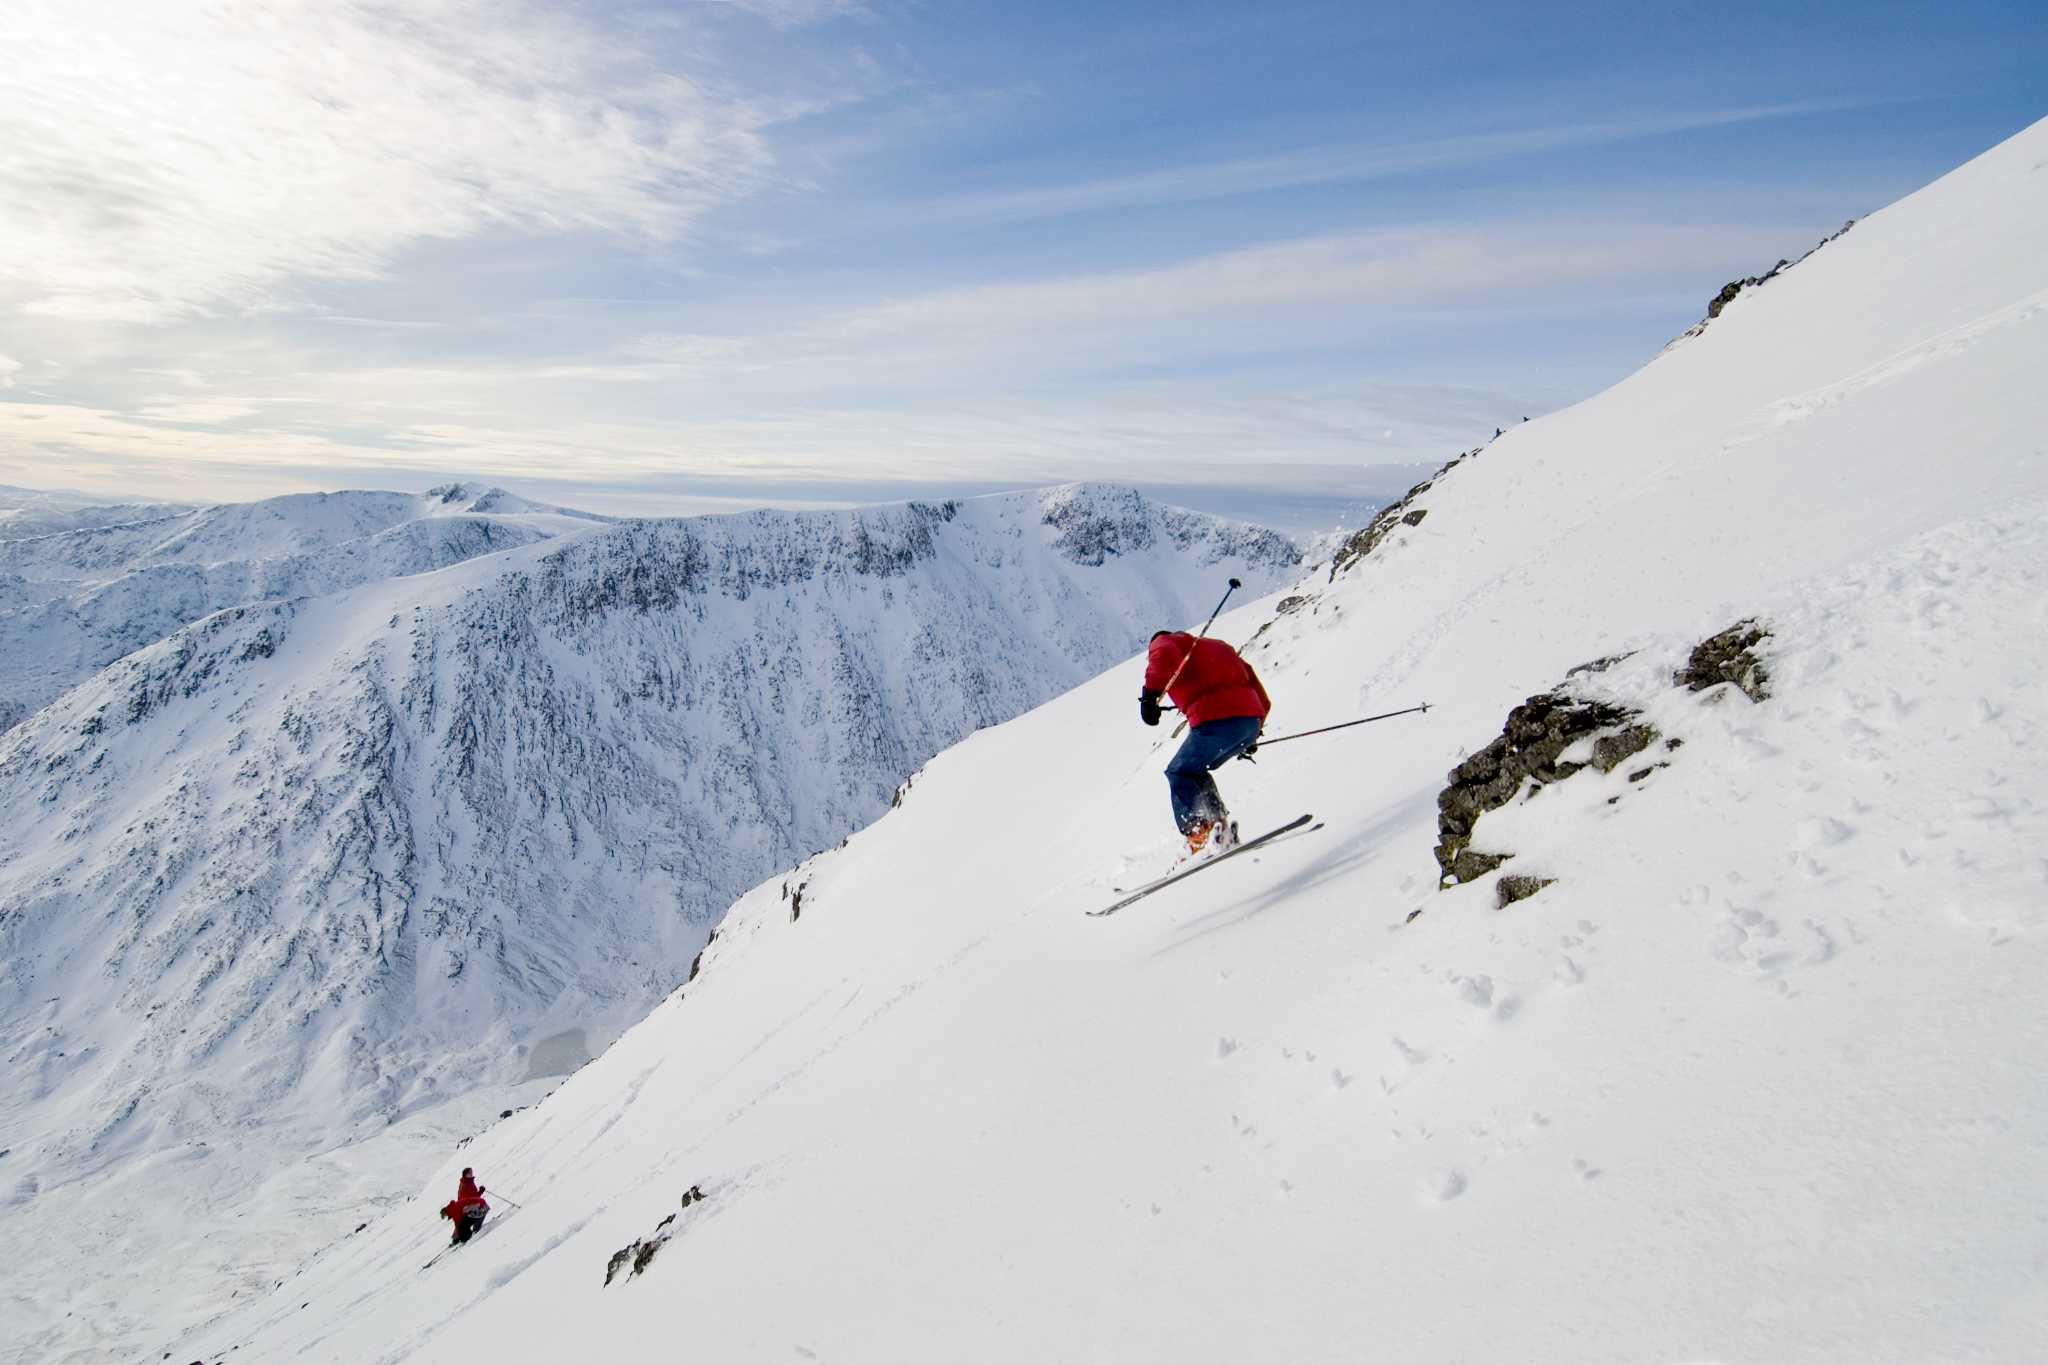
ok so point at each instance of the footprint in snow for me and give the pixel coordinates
(2001, 919)
(1983, 808)
(1754, 941)
(1475, 990)
(1821, 832)
(1408, 1060)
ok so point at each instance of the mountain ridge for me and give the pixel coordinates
(308, 866)
(75, 598)
(1752, 1072)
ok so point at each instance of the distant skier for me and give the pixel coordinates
(468, 1209)
(1226, 707)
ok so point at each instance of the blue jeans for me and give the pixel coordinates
(1207, 747)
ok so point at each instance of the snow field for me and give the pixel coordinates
(81, 586)
(1758, 1077)
(313, 868)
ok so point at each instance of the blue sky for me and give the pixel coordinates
(663, 257)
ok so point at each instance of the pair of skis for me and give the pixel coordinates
(1302, 823)
(457, 1246)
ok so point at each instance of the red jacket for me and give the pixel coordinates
(1216, 683)
(467, 1196)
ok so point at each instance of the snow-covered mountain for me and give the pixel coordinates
(1746, 1064)
(309, 866)
(82, 584)
(46, 512)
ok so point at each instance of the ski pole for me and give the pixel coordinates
(513, 1202)
(1304, 734)
(1234, 586)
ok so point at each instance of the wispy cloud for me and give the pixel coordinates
(1344, 288)
(170, 160)
(651, 245)
(198, 414)
(795, 13)
(1019, 376)
(1319, 441)
(1347, 163)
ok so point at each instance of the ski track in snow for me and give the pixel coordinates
(1947, 345)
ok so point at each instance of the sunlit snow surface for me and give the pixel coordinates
(1759, 1078)
(309, 868)
(81, 583)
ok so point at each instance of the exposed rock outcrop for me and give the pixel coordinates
(637, 1255)
(1530, 749)
(1733, 289)
(1513, 887)
(1396, 514)
(1730, 657)
(1402, 513)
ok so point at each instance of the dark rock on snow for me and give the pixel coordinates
(1729, 657)
(1531, 746)
(1513, 888)
(1733, 289)
(1529, 749)
(640, 1253)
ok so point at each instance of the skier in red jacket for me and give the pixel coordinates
(1226, 707)
(468, 1209)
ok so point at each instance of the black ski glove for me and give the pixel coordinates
(1148, 707)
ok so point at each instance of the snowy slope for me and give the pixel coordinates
(309, 866)
(44, 512)
(83, 584)
(1758, 1077)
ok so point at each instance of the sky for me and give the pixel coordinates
(677, 257)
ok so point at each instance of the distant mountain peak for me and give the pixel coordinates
(82, 585)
